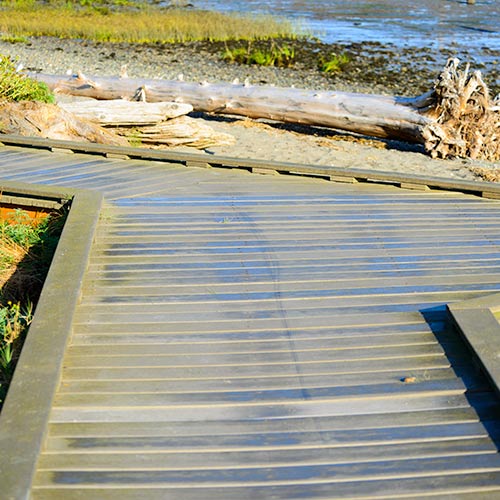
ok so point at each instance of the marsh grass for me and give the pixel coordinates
(26, 250)
(134, 23)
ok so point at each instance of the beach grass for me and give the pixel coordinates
(139, 23)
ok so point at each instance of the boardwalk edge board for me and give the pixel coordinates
(25, 414)
(332, 173)
(480, 328)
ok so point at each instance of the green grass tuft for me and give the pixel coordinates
(16, 86)
(335, 64)
(13, 39)
(280, 56)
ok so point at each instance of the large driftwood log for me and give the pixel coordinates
(456, 118)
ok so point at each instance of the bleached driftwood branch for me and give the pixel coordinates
(119, 112)
(456, 118)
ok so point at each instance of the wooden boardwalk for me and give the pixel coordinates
(245, 336)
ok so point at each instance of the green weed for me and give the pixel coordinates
(280, 56)
(13, 39)
(14, 322)
(16, 86)
(334, 64)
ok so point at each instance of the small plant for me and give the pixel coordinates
(14, 322)
(16, 86)
(282, 57)
(19, 229)
(335, 64)
(13, 39)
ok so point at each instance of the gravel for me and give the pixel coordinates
(373, 67)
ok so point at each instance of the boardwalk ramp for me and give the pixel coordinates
(245, 336)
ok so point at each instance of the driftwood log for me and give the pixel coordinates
(49, 120)
(150, 124)
(118, 123)
(123, 113)
(456, 118)
(180, 131)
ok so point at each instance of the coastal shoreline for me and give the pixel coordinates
(201, 61)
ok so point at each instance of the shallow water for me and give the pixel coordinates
(470, 30)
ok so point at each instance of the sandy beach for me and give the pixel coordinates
(256, 139)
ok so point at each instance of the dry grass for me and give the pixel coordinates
(11, 253)
(141, 26)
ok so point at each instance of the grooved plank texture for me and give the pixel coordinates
(243, 336)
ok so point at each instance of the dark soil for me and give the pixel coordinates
(400, 71)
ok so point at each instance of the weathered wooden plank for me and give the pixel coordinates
(160, 458)
(434, 417)
(260, 383)
(262, 266)
(283, 343)
(265, 411)
(274, 279)
(124, 238)
(289, 440)
(362, 247)
(481, 331)
(205, 275)
(359, 332)
(339, 200)
(289, 257)
(228, 312)
(145, 326)
(438, 466)
(244, 359)
(464, 486)
(100, 312)
(254, 398)
(385, 364)
(233, 215)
